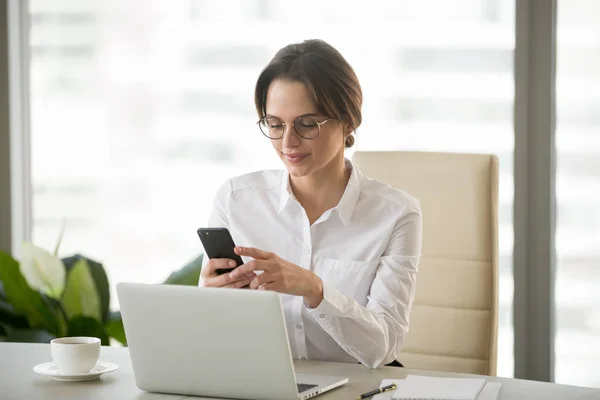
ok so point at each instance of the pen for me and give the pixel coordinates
(377, 391)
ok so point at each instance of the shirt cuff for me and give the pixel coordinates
(333, 304)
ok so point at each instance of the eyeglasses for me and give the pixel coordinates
(306, 127)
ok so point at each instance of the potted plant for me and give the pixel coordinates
(43, 297)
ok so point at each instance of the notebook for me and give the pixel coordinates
(489, 391)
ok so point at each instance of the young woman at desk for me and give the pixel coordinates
(342, 249)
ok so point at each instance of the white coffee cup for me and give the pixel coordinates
(75, 355)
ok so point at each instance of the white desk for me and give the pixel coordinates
(18, 381)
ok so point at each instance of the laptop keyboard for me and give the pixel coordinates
(303, 387)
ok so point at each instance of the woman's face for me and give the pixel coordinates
(288, 100)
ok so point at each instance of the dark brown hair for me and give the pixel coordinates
(329, 78)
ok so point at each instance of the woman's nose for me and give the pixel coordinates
(290, 137)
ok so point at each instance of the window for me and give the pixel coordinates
(140, 113)
(578, 193)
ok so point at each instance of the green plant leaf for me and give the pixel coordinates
(115, 329)
(100, 279)
(86, 326)
(188, 274)
(9, 317)
(24, 299)
(42, 271)
(28, 335)
(59, 314)
(60, 237)
(81, 296)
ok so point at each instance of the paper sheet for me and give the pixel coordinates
(490, 391)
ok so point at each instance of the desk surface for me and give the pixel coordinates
(18, 381)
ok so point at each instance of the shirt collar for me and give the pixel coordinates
(285, 191)
(347, 203)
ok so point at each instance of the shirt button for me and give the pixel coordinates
(321, 315)
(306, 250)
(298, 326)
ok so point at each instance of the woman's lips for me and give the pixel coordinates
(295, 158)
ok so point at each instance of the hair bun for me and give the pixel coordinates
(349, 141)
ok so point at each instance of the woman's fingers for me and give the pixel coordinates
(238, 284)
(251, 266)
(262, 279)
(217, 263)
(269, 286)
(257, 254)
(226, 279)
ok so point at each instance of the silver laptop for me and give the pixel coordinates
(212, 342)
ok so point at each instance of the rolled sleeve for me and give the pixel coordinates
(374, 334)
(333, 304)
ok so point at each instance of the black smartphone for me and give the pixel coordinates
(218, 243)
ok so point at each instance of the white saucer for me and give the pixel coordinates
(49, 369)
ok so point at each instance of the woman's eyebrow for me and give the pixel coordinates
(303, 115)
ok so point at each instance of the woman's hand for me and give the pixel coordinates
(210, 278)
(280, 276)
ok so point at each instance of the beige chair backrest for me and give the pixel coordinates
(454, 319)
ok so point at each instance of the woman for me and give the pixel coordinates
(341, 249)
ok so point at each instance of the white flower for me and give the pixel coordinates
(42, 271)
